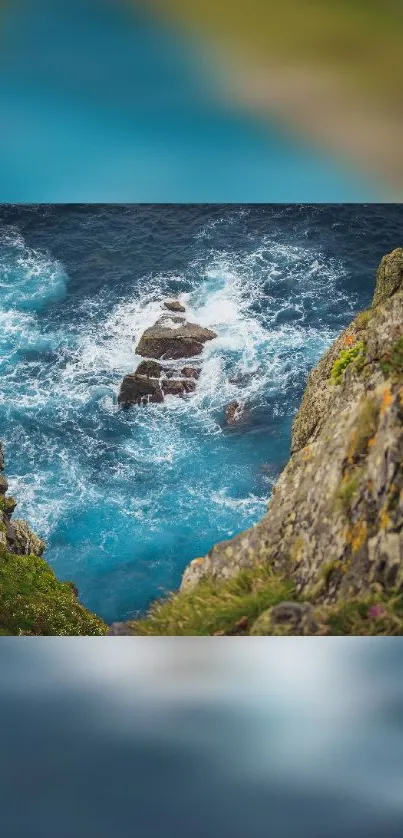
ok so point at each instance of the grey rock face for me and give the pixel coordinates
(334, 523)
(390, 276)
(24, 541)
(173, 338)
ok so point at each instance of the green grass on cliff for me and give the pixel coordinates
(34, 602)
(379, 613)
(231, 608)
(214, 608)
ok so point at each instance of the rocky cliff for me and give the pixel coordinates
(328, 556)
(32, 600)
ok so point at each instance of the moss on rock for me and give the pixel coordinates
(342, 362)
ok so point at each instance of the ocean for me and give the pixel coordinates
(126, 498)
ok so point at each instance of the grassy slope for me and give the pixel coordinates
(231, 608)
(34, 602)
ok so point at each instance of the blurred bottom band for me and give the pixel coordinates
(178, 736)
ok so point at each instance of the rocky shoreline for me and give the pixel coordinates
(334, 525)
(327, 558)
(32, 600)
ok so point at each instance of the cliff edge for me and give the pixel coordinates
(32, 600)
(327, 558)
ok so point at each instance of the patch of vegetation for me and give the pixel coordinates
(392, 362)
(342, 362)
(372, 614)
(233, 607)
(217, 607)
(366, 427)
(34, 602)
(348, 488)
(363, 318)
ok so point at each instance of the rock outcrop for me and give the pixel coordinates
(15, 536)
(335, 521)
(171, 339)
(236, 414)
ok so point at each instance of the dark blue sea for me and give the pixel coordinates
(125, 499)
(102, 101)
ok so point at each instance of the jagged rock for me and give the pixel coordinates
(24, 541)
(389, 277)
(139, 389)
(236, 413)
(334, 524)
(174, 305)
(3, 485)
(1, 457)
(191, 372)
(172, 387)
(173, 338)
(233, 413)
(8, 506)
(152, 369)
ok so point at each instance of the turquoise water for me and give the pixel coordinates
(125, 499)
(101, 103)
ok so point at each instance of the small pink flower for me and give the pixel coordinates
(376, 611)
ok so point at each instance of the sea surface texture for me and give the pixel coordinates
(126, 498)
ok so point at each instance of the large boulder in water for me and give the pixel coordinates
(142, 386)
(173, 338)
(151, 382)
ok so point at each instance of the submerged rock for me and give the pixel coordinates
(174, 305)
(236, 413)
(173, 338)
(232, 412)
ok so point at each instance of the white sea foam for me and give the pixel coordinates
(29, 279)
